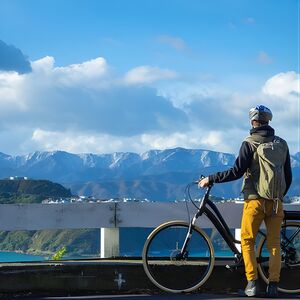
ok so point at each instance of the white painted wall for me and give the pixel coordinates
(109, 217)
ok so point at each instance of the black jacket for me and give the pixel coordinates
(243, 161)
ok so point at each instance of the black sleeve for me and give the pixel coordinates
(242, 163)
(288, 172)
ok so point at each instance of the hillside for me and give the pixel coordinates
(47, 242)
(44, 242)
(30, 191)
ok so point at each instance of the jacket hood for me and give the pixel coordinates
(264, 131)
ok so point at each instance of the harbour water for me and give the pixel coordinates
(22, 257)
(19, 257)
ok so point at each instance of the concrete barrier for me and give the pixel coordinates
(110, 216)
(102, 276)
(98, 277)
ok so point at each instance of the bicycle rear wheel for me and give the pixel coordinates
(290, 258)
(166, 269)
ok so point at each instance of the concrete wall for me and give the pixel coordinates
(108, 215)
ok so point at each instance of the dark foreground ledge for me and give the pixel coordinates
(99, 277)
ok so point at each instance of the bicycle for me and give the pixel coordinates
(178, 249)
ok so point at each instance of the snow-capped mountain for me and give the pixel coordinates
(156, 174)
(60, 165)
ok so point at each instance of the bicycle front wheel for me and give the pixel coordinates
(164, 265)
(290, 258)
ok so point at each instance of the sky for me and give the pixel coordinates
(102, 76)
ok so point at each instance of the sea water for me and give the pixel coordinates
(22, 257)
(19, 257)
(131, 245)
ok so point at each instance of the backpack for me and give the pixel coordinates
(270, 182)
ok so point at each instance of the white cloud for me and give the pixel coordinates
(85, 72)
(212, 139)
(10, 98)
(104, 143)
(223, 115)
(184, 93)
(88, 108)
(26, 141)
(158, 141)
(193, 139)
(147, 74)
(92, 74)
(86, 99)
(282, 93)
(283, 85)
(74, 142)
(45, 64)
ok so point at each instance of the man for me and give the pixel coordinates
(256, 208)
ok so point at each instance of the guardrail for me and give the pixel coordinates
(110, 216)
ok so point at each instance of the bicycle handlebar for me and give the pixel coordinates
(204, 198)
(202, 177)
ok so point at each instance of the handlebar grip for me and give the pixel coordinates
(201, 177)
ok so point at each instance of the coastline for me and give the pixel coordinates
(19, 256)
(33, 253)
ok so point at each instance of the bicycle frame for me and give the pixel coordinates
(173, 259)
(216, 218)
(208, 208)
(198, 250)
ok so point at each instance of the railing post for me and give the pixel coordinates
(237, 235)
(110, 239)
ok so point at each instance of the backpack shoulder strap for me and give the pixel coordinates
(283, 144)
(279, 139)
(254, 143)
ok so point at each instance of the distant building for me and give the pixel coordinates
(18, 178)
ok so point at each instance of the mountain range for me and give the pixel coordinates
(159, 175)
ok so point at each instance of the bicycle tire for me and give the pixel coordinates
(289, 279)
(167, 272)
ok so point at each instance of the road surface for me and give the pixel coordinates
(154, 297)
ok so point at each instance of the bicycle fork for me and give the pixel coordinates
(184, 252)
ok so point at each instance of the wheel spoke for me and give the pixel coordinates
(290, 258)
(171, 270)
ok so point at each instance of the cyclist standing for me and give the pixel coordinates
(259, 206)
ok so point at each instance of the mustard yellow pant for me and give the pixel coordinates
(256, 211)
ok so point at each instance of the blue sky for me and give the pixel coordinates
(173, 73)
(221, 37)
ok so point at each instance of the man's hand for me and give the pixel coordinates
(203, 182)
